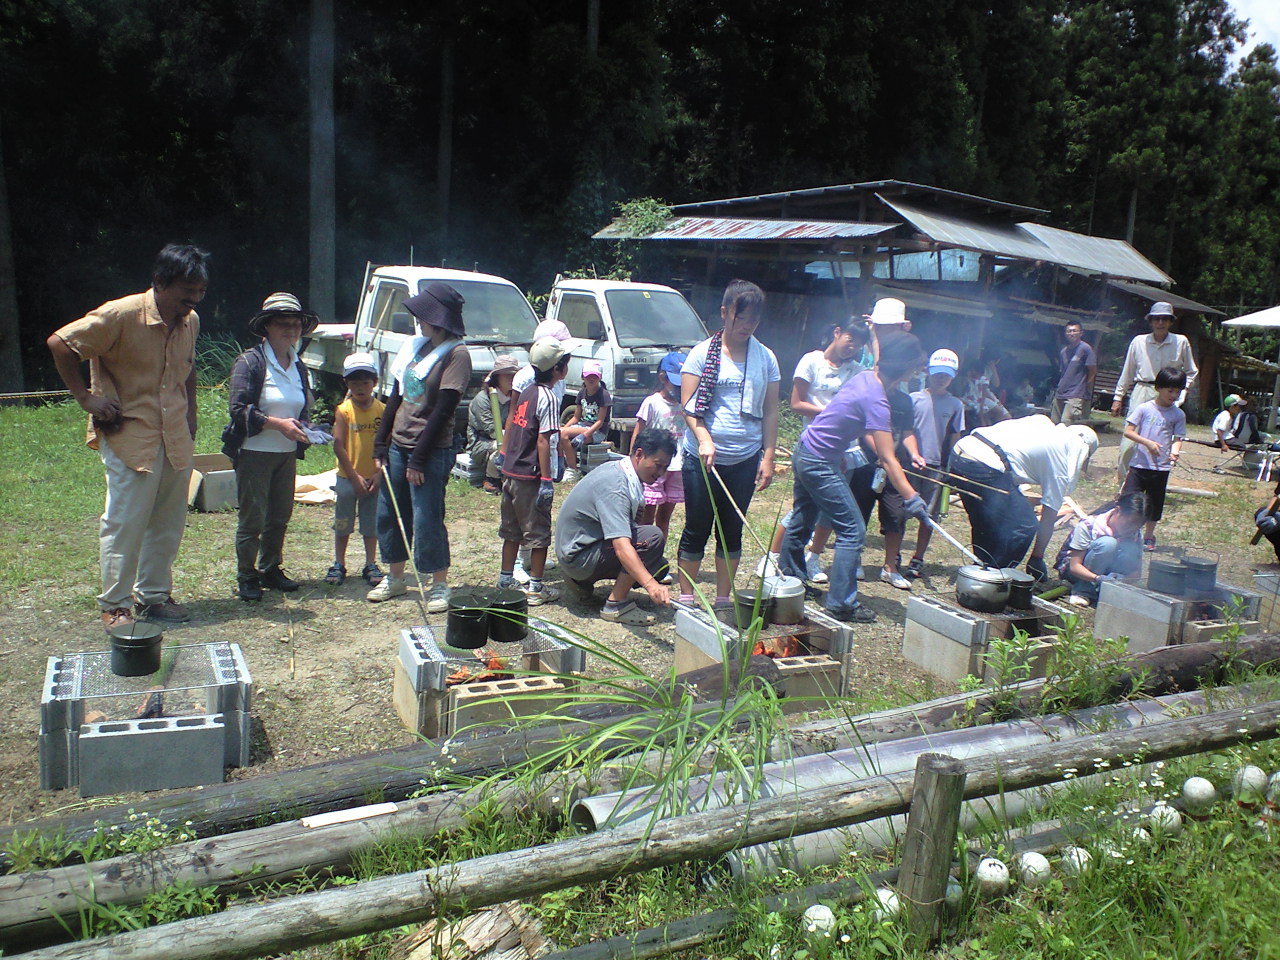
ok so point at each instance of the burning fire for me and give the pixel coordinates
(777, 647)
(495, 669)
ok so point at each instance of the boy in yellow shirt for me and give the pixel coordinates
(355, 424)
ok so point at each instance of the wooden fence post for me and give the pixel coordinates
(930, 841)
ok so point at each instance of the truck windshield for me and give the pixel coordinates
(644, 318)
(493, 311)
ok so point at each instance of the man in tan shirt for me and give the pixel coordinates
(142, 421)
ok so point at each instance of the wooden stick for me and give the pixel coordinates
(976, 496)
(931, 836)
(1193, 491)
(256, 930)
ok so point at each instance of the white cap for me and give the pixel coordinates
(944, 361)
(356, 362)
(889, 310)
(551, 328)
(1160, 309)
(1086, 436)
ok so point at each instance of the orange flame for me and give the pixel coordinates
(778, 647)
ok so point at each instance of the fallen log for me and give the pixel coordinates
(388, 775)
(328, 915)
(1193, 491)
(1155, 673)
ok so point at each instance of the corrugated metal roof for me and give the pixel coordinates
(930, 299)
(1033, 241)
(841, 194)
(727, 228)
(1116, 258)
(1155, 293)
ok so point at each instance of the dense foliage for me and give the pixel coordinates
(128, 123)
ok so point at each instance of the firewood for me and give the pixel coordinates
(505, 931)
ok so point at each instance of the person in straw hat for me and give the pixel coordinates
(268, 401)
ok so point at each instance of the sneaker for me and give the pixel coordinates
(915, 569)
(1076, 600)
(551, 563)
(768, 565)
(277, 579)
(813, 568)
(543, 594)
(166, 611)
(249, 589)
(894, 579)
(860, 613)
(117, 617)
(372, 574)
(667, 578)
(336, 575)
(1149, 544)
(492, 488)
(388, 588)
(438, 598)
(519, 573)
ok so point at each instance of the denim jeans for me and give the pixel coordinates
(421, 508)
(706, 508)
(1003, 521)
(821, 488)
(1105, 555)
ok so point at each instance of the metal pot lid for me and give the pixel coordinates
(972, 571)
(1017, 576)
(780, 586)
(136, 631)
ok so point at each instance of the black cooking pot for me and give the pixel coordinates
(984, 589)
(1021, 585)
(467, 625)
(508, 616)
(135, 649)
(1167, 577)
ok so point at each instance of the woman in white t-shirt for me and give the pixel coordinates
(729, 389)
(819, 375)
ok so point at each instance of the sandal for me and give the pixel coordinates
(336, 575)
(372, 575)
(628, 613)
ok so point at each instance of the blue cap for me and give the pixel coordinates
(671, 366)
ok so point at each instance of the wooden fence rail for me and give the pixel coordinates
(325, 916)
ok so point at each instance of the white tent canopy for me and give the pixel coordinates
(1262, 318)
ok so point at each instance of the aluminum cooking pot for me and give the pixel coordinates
(985, 589)
(781, 600)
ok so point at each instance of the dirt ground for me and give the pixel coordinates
(322, 659)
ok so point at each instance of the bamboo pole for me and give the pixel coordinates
(325, 916)
(930, 839)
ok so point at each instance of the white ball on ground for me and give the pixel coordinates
(992, 877)
(1033, 869)
(1198, 796)
(1249, 784)
(818, 919)
(1076, 861)
(955, 894)
(889, 906)
(1164, 820)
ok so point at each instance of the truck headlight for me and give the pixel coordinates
(633, 376)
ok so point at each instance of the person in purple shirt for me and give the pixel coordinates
(1073, 398)
(860, 407)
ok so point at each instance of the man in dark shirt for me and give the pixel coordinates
(1073, 398)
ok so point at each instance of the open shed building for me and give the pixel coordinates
(976, 274)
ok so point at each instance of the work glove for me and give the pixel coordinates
(499, 459)
(916, 508)
(1109, 576)
(546, 491)
(1037, 568)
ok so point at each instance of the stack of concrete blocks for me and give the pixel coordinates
(1268, 587)
(702, 643)
(549, 660)
(952, 643)
(596, 454)
(1150, 620)
(116, 756)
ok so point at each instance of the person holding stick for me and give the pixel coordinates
(990, 463)
(729, 390)
(860, 407)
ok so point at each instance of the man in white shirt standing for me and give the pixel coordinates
(1148, 354)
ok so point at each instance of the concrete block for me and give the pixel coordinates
(1148, 620)
(1268, 587)
(808, 681)
(238, 725)
(492, 702)
(938, 653)
(689, 657)
(58, 713)
(59, 759)
(418, 710)
(416, 658)
(163, 754)
(1196, 631)
(943, 619)
(570, 659)
(837, 635)
(213, 483)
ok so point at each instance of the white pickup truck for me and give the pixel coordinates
(497, 316)
(627, 327)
